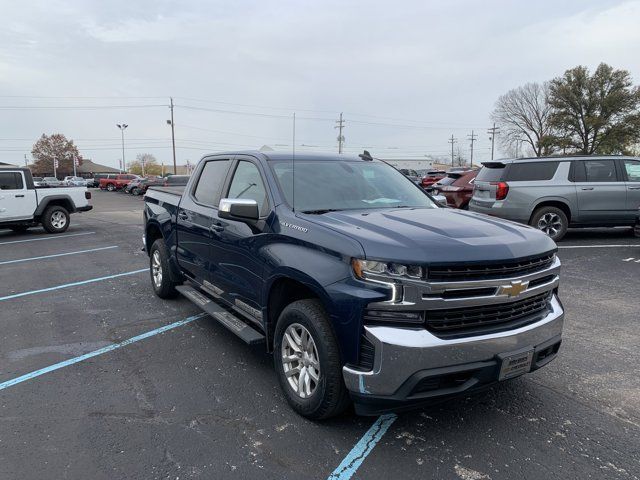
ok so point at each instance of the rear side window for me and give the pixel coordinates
(632, 167)
(490, 174)
(11, 181)
(531, 171)
(210, 183)
(599, 171)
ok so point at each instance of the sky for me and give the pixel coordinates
(407, 75)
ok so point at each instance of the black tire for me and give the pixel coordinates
(330, 396)
(55, 219)
(135, 191)
(550, 220)
(166, 286)
(111, 187)
(19, 228)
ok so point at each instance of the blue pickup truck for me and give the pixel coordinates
(363, 289)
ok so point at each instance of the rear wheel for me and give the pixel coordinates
(550, 220)
(55, 219)
(307, 361)
(111, 187)
(161, 281)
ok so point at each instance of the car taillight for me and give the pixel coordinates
(502, 189)
(87, 195)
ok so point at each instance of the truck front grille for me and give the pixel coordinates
(464, 322)
(505, 269)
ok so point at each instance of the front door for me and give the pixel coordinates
(631, 170)
(196, 216)
(601, 192)
(16, 201)
(237, 248)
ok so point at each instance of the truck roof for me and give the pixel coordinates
(563, 158)
(305, 156)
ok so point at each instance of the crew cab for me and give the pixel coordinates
(362, 288)
(23, 206)
(116, 182)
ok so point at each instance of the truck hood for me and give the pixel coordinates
(436, 235)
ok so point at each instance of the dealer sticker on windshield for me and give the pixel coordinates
(514, 365)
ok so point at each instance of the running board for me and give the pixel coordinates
(248, 334)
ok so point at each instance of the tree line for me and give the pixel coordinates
(577, 113)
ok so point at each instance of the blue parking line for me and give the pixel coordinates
(363, 448)
(57, 255)
(100, 351)
(52, 237)
(74, 284)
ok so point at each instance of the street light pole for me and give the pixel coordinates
(173, 137)
(122, 126)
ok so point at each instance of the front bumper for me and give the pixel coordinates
(406, 360)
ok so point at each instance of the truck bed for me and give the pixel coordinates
(177, 190)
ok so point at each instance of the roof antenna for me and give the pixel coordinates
(293, 163)
(366, 156)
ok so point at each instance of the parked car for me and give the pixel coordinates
(144, 186)
(116, 182)
(175, 180)
(74, 181)
(38, 182)
(553, 194)
(51, 182)
(432, 177)
(457, 187)
(411, 175)
(133, 183)
(361, 287)
(23, 206)
(94, 182)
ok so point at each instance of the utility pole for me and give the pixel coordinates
(340, 126)
(173, 137)
(26, 164)
(122, 127)
(452, 141)
(472, 137)
(493, 132)
(73, 159)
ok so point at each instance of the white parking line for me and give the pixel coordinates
(52, 237)
(598, 246)
(57, 255)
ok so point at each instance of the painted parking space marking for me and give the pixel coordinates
(57, 255)
(74, 284)
(363, 448)
(52, 237)
(599, 246)
(100, 351)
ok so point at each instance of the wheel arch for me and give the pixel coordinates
(55, 200)
(556, 202)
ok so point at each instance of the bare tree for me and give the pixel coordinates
(523, 116)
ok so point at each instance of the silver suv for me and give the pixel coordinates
(553, 194)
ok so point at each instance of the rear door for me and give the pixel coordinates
(631, 171)
(601, 192)
(236, 247)
(17, 202)
(197, 219)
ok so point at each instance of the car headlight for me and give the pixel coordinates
(370, 268)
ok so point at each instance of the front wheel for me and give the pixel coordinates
(111, 187)
(550, 220)
(55, 219)
(161, 281)
(307, 361)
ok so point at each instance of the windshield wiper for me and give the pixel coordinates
(321, 211)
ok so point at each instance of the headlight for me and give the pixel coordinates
(367, 268)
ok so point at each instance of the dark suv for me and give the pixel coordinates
(555, 193)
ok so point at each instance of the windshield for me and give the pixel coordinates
(347, 185)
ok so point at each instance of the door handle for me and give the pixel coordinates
(634, 188)
(587, 188)
(19, 196)
(216, 228)
(183, 216)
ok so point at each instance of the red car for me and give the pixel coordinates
(457, 187)
(432, 177)
(116, 182)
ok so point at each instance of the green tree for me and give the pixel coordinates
(150, 163)
(595, 113)
(52, 147)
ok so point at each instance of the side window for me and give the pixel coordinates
(600, 171)
(632, 167)
(532, 171)
(210, 182)
(247, 183)
(11, 181)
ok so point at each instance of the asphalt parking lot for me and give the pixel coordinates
(193, 401)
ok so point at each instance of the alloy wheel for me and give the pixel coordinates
(300, 360)
(58, 219)
(550, 223)
(156, 269)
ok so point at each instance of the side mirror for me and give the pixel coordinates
(238, 209)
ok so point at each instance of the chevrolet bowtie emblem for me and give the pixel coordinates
(514, 289)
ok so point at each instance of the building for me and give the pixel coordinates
(3, 164)
(89, 168)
